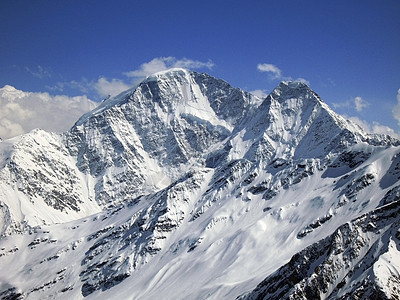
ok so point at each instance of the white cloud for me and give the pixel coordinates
(382, 129)
(83, 86)
(360, 104)
(104, 87)
(346, 104)
(192, 64)
(357, 103)
(303, 81)
(396, 109)
(276, 73)
(40, 72)
(375, 127)
(164, 63)
(363, 124)
(20, 112)
(148, 68)
(260, 93)
(9, 129)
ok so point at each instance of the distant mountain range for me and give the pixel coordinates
(187, 188)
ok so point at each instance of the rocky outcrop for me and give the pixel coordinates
(349, 264)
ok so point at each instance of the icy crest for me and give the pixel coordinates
(170, 73)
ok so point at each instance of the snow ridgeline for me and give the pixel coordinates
(186, 187)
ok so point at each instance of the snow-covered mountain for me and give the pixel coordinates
(187, 188)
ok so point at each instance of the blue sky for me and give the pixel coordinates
(348, 51)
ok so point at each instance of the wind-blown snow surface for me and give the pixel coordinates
(187, 188)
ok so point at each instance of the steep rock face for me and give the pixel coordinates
(293, 122)
(126, 247)
(169, 120)
(44, 171)
(230, 104)
(40, 183)
(291, 136)
(360, 260)
(136, 143)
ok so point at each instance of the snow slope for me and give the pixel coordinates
(360, 260)
(186, 188)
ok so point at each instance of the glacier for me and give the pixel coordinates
(185, 187)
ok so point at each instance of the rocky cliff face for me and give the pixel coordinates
(146, 136)
(360, 260)
(187, 187)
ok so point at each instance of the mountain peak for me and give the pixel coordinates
(294, 89)
(168, 73)
(185, 175)
(294, 83)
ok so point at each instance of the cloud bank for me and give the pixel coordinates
(20, 112)
(375, 127)
(113, 87)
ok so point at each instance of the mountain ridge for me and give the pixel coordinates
(187, 187)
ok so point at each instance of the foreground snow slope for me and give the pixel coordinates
(188, 188)
(360, 260)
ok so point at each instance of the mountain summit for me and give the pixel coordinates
(186, 187)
